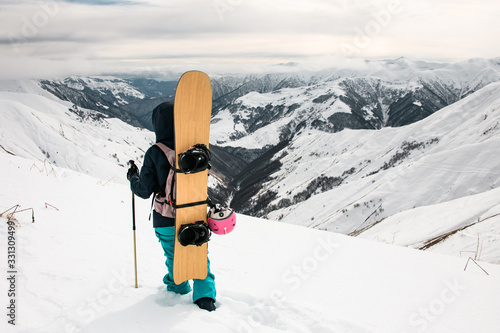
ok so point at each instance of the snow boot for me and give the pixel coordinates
(206, 303)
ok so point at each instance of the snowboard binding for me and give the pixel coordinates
(195, 159)
(195, 233)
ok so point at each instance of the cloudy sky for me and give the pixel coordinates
(53, 38)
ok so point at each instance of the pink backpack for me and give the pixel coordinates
(165, 204)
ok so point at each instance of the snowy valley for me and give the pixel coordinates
(350, 181)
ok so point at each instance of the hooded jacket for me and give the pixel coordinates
(155, 167)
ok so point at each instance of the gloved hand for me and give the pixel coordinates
(133, 170)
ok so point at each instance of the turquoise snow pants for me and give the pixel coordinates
(201, 288)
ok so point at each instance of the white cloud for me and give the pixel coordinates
(37, 68)
(149, 34)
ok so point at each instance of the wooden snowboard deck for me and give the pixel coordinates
(192, 113)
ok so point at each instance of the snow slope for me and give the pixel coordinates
(75, 271)
(348, 181)
(478, 215)
(36, 125)
(120, 89)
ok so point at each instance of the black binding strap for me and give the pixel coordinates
(191, 204)
(198, 203)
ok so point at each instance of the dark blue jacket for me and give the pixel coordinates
(155, 167)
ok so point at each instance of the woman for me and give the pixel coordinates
(152, 179)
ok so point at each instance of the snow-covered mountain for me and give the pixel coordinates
(253, 112)
(73, 271)
(259, 111)
(37, 125)
(373, 95)
(353, 180)
(279, 152)
(130, 100)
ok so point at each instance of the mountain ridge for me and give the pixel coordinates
(284, 155)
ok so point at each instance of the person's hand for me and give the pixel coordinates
(133, 170)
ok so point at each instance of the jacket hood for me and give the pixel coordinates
(163, 122)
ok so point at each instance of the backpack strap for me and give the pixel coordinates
(169, 152)
(164, 200)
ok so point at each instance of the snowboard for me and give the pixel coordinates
(192, 113)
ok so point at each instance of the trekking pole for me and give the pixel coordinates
(133, 229)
